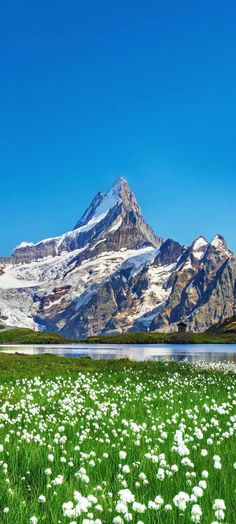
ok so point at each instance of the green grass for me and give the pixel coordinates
(221, 333)
(87, 412)
(14, 366)
(28, 336)
(164, 338)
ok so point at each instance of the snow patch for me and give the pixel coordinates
(199, 243)
(109, 202)
(218, 241)
(116, 225)
(24, 244)
(143, 257)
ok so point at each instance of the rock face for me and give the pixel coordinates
(111, 273)
(202, 286)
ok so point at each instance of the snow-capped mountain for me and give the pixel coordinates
(113, 219)
(111, 273)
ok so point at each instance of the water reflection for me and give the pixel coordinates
(178, 352)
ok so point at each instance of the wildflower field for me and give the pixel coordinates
(93, 442)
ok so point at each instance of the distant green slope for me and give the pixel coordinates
(219, 334)
(164, 338)
(227, 326)
(28, 336)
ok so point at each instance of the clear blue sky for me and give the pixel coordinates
(93, 90)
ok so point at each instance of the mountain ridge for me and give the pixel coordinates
(104, 211)
(112, 274)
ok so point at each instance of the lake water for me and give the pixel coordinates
(191, 352)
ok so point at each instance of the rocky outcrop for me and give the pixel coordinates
(169, 252)
(227, 326)
(202, 287)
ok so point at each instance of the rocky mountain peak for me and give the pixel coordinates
(113, 219)
(199, 247)
(199, 244)
(169, 253)
(127, 197)
(119, 196)
(91, 210)
(219, 242)
(111, 272)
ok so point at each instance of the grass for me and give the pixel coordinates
(223, 332)
(59, 415)
(28, 336)
(14, 366)
(164, 338)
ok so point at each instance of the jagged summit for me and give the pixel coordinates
(199, 247)
(126, 195)
(219, 242)
(89, 213)
(113, 219)
(199, 243)
(120, 194)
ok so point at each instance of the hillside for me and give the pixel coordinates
(227, 326)
(28, 336)
(164, 338)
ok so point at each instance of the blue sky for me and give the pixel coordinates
(93, 90)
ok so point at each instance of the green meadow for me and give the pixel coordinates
(93, 442)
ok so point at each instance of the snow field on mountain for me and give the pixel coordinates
(154, 444)
(155, 296)
(109, 202)
(41, 277)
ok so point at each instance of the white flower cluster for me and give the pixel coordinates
(118, 447)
